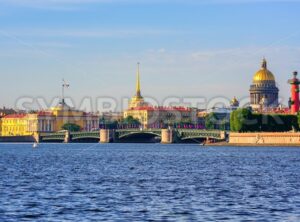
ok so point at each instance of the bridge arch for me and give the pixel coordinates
(52, 140)
(130, 134)
(139, 137)
(86, 139)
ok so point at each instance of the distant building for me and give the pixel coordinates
(14, 125)
(150, 116)
(5, 111)
(263, 91)
(111, 117)
(222, 115)
(158, 116)
(52, 120)
(110, 120)
(47, 121)
(221, 120)
(234, 103)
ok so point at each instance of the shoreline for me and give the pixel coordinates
(222, 144)
(254, 145)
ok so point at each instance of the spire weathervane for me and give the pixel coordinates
(64, 86)
(138, 83)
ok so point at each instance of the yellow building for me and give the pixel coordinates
(64, 114)
(47, 121)
(14, 125)
(156, 117)
(150, 116)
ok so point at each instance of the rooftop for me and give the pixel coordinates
(15, 116)
(162, 108)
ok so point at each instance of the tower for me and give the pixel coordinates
(294, 100)
(138, 82)
(137, 100)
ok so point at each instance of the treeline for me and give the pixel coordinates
(219, 122)
(243, 120)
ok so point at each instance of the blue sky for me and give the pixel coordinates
(186, 48)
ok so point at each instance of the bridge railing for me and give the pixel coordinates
(188, 133)
(181, 133)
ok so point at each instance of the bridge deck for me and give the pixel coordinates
(182, 134)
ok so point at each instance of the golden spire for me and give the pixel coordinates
(138, 83)
(264, 63)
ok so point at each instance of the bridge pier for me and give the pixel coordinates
(222, 135)
(207, 141)
(67, 138)
(167, 136)
(105, 136)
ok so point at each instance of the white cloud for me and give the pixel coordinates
(81, 33)
(52, 45)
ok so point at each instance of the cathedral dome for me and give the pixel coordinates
(263, 91)
(263, 74)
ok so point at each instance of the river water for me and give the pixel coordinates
(148, 182)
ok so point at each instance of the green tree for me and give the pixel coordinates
(109, 124)
(232, 121)
(241, 120)
(298, 120)
(223, 124)
(129, 120)
(71, 127)
(211, 121)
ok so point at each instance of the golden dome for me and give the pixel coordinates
(263, 74)
(234, 102)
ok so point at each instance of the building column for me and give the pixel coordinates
(51, 125)
(43, 124)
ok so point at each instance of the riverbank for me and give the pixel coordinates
(265, 139)
(17, 139)
(251, 145)
(270, 139)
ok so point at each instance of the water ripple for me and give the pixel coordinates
(144, 182)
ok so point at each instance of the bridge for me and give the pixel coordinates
(107, 136)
